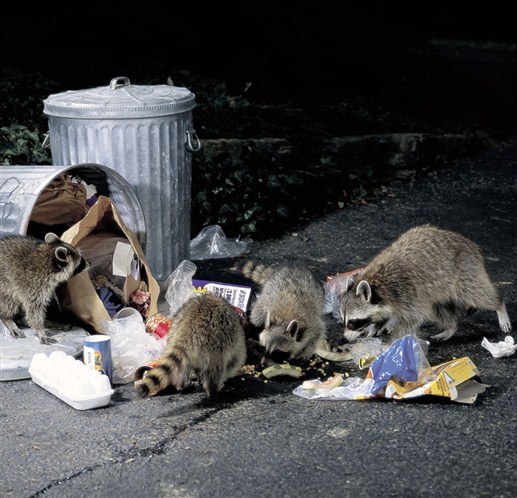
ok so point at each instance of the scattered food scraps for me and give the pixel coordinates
(335, 381)
(335, 355)
(281, 370)
(402, 372)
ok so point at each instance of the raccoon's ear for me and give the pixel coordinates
(292, 329)
(61, 253)
(364, 290)
(51, 238)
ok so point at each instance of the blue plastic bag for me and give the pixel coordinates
(404, 359)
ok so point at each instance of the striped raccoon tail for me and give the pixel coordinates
(158, 378)
(257, 272)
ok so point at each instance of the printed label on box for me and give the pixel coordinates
(237, 295)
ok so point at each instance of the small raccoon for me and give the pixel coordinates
(425, 276)
(206, 339)
(288, 309)
(30, 272)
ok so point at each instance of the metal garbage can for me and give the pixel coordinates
(145, 133)
(21, 186)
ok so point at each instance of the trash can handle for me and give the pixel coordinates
(190, 146)
(114, 83)
(46, 141)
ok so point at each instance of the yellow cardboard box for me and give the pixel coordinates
(453, 380)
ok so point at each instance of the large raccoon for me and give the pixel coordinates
(206, 339)
(30, 272)
(425, 276)
(288, 309)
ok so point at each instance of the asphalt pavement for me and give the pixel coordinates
(258, 439)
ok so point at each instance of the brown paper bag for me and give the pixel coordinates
(62, 202)
(79, 296)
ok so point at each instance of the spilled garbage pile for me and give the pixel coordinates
(181, 329)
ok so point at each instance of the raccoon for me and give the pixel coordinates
(206, 339)
(30, 272)
(288, 310)
(426, 276)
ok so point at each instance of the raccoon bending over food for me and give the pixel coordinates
(288, 309)
(206, 339)
(30, 272)
(425, 276)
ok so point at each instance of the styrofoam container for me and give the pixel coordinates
(20, 187)
(144, 132)
(71, 380)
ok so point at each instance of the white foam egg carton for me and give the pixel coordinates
(71, 380)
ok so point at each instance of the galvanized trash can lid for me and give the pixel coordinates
(120, 100)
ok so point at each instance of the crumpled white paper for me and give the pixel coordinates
(500, 349)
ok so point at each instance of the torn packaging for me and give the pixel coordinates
(79, 296)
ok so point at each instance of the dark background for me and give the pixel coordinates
(298, 51)
(309, 73)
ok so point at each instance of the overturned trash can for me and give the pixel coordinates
(145, 133)
(22, 187)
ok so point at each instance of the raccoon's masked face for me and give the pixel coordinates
(67, 259)
(280, 340)
(361, 311)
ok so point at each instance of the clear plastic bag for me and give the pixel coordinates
(131, 346)
(365, 350)
(16, 353)
(333, 288)
(211, 243)
(179, 286)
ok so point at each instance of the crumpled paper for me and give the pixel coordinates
(500, 349)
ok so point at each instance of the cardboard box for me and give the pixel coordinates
(240, 296)
(455, 380)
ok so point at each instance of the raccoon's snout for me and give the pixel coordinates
(83, 265)
(277, 356)
(351, 335)
(355, 327)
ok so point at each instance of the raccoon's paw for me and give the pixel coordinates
(45, 339)
(505, 325)
(13, 328)
(444, 336)
(17, 333)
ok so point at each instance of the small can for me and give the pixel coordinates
(158, 325)
(97, 354)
